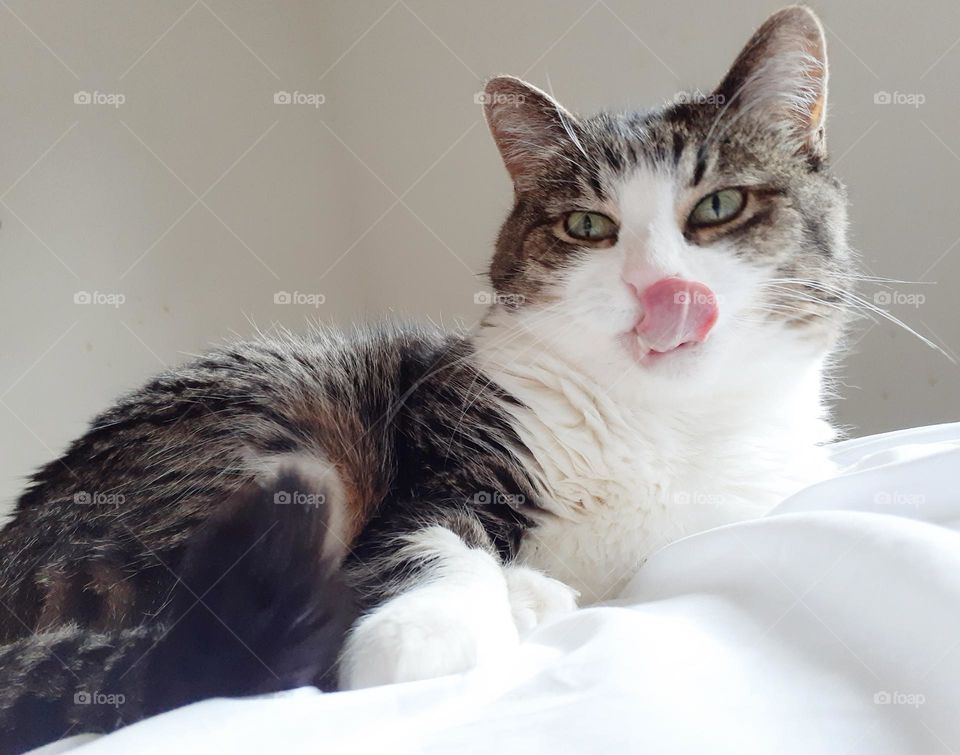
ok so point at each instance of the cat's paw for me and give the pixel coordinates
(536, 598)
(415, 637)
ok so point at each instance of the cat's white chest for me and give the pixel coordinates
(621, 485)
(621, 472)
(598, 552)
(597, 540)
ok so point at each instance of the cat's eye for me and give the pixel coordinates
(720, 207)
(589, 226)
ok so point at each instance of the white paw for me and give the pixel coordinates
(536, 598)
(420, 635)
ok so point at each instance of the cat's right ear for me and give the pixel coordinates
(528, 126)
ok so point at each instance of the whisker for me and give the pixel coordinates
(851, 299)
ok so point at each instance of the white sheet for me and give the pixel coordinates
(830, 626)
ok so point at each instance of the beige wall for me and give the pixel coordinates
(198, 198)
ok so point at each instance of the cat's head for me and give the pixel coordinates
(699, 238)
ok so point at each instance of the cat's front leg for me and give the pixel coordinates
(459, 608)
(453, 613)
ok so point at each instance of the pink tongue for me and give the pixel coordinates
(675, 312)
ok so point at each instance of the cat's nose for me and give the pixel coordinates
(675, 312)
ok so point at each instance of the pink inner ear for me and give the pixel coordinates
(781, 75)
(676, 312)
(527, 124)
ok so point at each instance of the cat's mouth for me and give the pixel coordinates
(653, 355)
(648, 357)
(677, 315)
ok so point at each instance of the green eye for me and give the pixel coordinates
(589, 226)
(717, 208)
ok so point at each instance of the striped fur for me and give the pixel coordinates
(476, 482)
(257, 608)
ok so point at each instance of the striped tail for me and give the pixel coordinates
(259, 607)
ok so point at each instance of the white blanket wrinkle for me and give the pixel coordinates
(832, 625)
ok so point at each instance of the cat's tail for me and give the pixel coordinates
(259, 606)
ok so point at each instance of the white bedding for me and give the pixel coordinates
(830, 626)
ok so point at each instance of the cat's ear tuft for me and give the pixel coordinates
(781, 76)
(527, 124)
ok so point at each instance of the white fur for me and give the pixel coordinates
(631, 456)
(467, 611)
(627, 455)
(535, 598)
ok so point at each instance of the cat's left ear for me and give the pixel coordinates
(781, 77)
(528, 125)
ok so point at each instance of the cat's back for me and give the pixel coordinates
(270, 395)
(125, 495)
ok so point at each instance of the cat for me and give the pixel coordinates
(259, 606)
(653, 363)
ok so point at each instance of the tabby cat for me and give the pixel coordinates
(652, 364)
